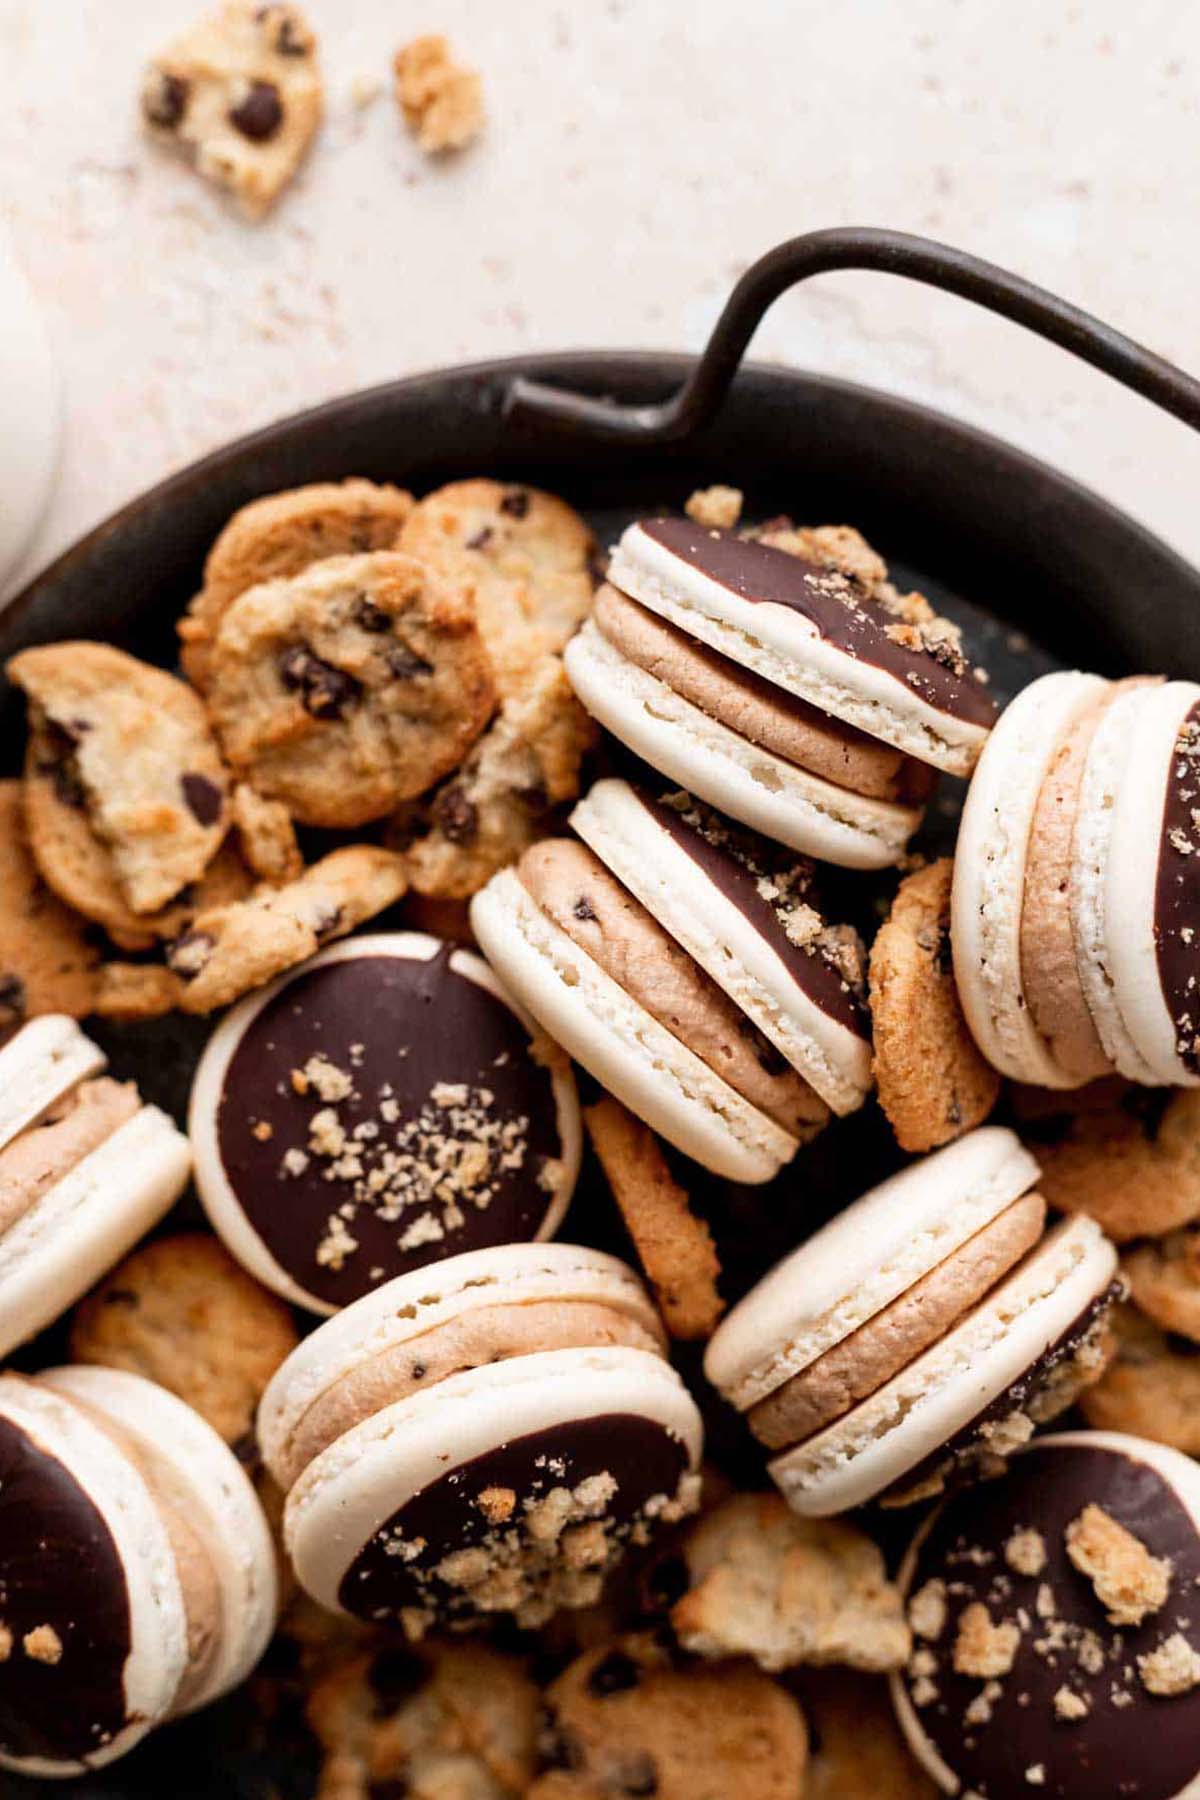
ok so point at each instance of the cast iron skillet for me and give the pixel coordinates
(1038, 570)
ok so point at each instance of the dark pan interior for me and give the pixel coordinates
(1037, 570)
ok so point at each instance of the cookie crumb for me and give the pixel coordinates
(43, 1645)
(1035, 1775)
(1070, 1706)
(1025, 1552)
(927, 1610)
(1128, 1581)
(497, 1504)
(1173, 1668)
(6, 1643)
(441, 102)
(983, 1649)
(717, 507)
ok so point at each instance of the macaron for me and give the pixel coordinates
(137, 1573)
(1056, 1638)
(755, 751)
(921, 1334)
(486, 1436)
(617, 991)
(743, 911)
(1075, 901)
(85, 1170)
(380, 1108)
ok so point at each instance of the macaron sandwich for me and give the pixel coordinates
(792, 696)
(1077, 885)
(485, 1436)
(85, 1170)
(137, 1572)
(922, 1334)
(680, 959)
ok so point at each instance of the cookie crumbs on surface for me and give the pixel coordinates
(497, 1504)
(330, 1082)
(1035, 1775)
(6, 1643)
(263, 1130)
(1173, 1668)
(43, 1645)
(927, 1610)
(923, 1691)
(1129, 1583)
(1070, 1706)
(1025, 1552)
(983, 1649)
(295, 1161)
(1045, 1604)
(716, 506)
(979, 1712)
(337, 1246)
(441, 102)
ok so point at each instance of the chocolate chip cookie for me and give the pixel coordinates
(526, 559)
(266, 835)
(240, 96)
(1164, 1280)
(129, 747)
(857, 1750)
(1152, 1386)
(278, 536)
(1127, 1156)
(350, 687)
(48, 962)
(182, 1313)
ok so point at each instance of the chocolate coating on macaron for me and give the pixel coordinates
(383, 1112)
(1177, 893)
(517, 1528)
(1077, 1712)
(65, 1628)
(771, 887)
(837, 606)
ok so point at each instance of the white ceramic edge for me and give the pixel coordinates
(157, 1659)
(87, 1221)
(924, 1406)
(835, 1061)
(987, 898)
(620, 1043)
(412, 1305)
(33, 395)
(864, 1259)
(783, 646)
(44, 1061)
(776, 797)
(216, 1193)
(355, 1486)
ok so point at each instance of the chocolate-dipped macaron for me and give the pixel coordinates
(621, 994)
(1076, 899)
(380, 1108)
(484, 1437)
(743, 910)
(1055, 1630)
(922, 1334)
(137, 1572)
(85, 1171)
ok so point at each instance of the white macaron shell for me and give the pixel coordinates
(197, 1473)
(413, 1304)
(87, 1221)
(776, 797)
(620, 1043)
(864, 1259)
(355, 1486)
(834, 1060)
(989, 873)
(46, 1059)
(938, 1395)
(157, 1658)
(781, 644)
(216, 1193)
(1131, 877)
(1093, 878)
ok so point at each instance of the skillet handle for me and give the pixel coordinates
(852, 247)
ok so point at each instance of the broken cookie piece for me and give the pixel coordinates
(442, 103)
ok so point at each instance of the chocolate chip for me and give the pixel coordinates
(369, 617)
(165, 101)
(583, 908)
(189, 953)
(290, 38)
(481, 539)
(456, 815)
(395, 1676)
(515, 503)
(245, 1449)
(68, 786)
(12, 1000)
(325, 692)
(395, 1789)
(120, 1297)
(328, 923)
(615, 1673)
(559, 1748)
(204, 798)
(405, 664)
(259, 116)
(639, 1776)
(667, 1582)
(419, 1371)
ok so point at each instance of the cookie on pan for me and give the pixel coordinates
(933, 1083)
(181, 1312)
(1128, 1158)
(276, 537)
(48, 960)
(1151, 1387)
(136, 1566)
(525, 559)
(135, 751)
(628, 1719)
(240, 96)
(348, 688)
